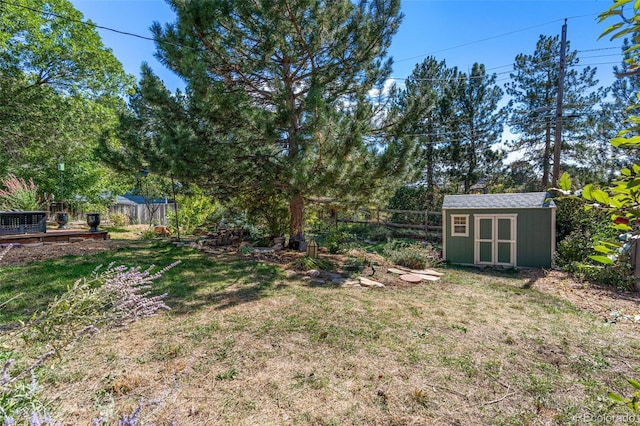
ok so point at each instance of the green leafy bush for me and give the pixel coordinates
(307, 263)
(577, 229)
(573, 249)
(411, 255)
(193, 211)
(119, 219)
(337, 239)
(380, 233)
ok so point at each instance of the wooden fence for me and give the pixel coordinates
(430, 223)
(140, 213)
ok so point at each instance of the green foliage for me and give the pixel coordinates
(265, 209)
(573, 216)
(119, 219)
(411, 255)
(60, 89)
(19, 195)
(415, 198)
(338, 238)
(622, 197)
(534, 90)
(315, 132)
(379, 233)
(577, 230)
(307, 263)
(194, 210)
(631, 403)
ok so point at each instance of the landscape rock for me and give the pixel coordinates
(427, 277)
(410, 278)
(370, 283)
(426, 272)
(290, 274)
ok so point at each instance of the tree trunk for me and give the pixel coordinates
(296, 209)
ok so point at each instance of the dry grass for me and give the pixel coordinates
(474, 348)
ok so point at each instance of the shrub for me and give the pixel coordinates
(380, 233)
(194, 210)
(571, 216)
(18, 194)
(119, 219)
(112, 297)
(414, 255)
(306, 263)
(337, 239)
(576, 247)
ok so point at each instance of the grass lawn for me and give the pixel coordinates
(243, 345)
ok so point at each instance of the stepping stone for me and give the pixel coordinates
(427, 272)
(427, 277)
(396, 271)
(411, 278)
(370, 283)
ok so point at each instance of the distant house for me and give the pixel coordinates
(134, 207)
(512, 230)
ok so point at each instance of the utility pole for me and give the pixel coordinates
(557, 139)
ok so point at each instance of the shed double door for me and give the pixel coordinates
(495, 240)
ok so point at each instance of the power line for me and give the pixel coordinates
(46, 14)
(494, 37)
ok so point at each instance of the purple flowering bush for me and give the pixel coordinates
(110, 297)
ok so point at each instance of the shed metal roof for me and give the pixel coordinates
(527, 200)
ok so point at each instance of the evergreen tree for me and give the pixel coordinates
(478, 128)
(278, 98)
(534, 91)
(427, 108)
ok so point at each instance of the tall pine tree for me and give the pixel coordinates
(427, 108)
(471, 152)
(534, 91)
(278, 98)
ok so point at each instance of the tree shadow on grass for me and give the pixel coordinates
(199, 280)
(229, 281)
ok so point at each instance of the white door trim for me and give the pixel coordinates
(494, 238)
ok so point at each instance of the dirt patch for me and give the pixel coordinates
(23, 254)
(609, 303)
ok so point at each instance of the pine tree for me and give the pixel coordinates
(534, 90)
(427, 108)
(478, 128)
(278, 98)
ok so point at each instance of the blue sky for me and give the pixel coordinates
(461, 32)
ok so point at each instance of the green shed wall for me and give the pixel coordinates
(534, 236)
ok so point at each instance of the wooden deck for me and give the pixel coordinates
(53, 236)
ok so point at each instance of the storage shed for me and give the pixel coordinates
(513, 230)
